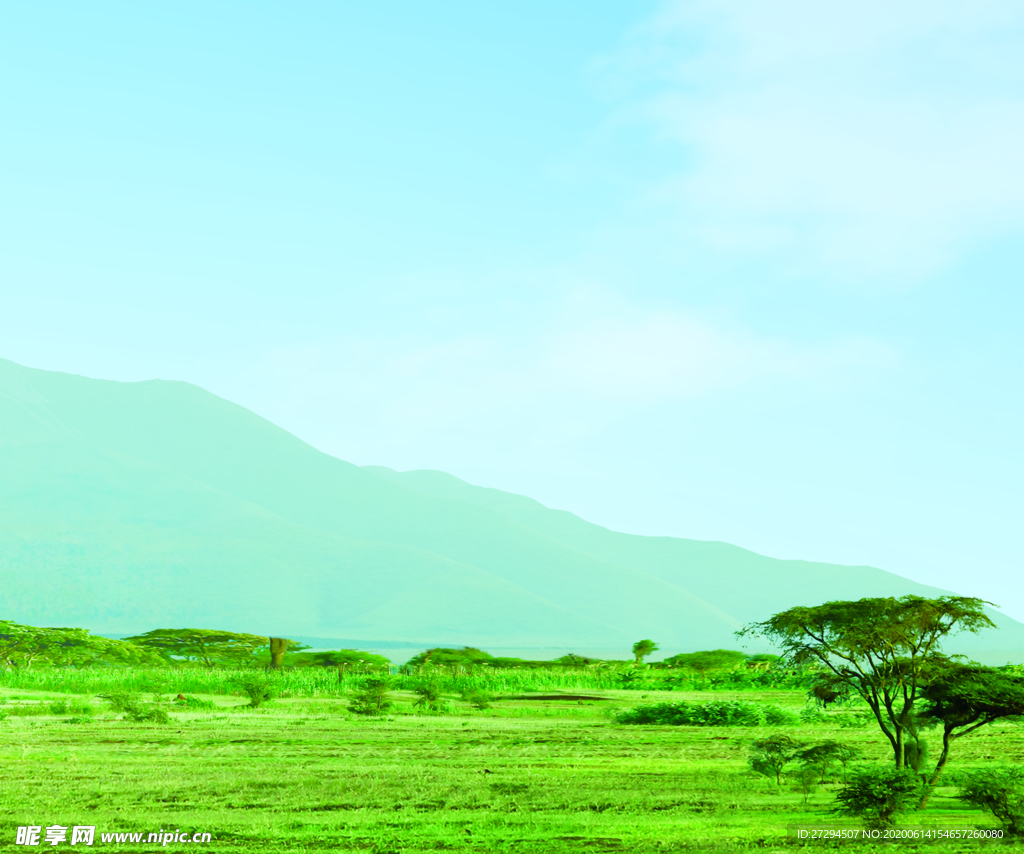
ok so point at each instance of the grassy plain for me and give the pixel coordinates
(302, 774)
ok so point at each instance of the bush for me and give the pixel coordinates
(132, 707)
(477, 699)
(259, 688)
(879, 794)
(190, 702)
(429, 696)
(855, 720)
(714, 713)
(1000, 791)
(371, 697)
(812, 715)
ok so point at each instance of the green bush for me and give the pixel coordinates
(477, 699)
(812, 715)
(1000, 791)
(259, 688)
(190, 702)
(714, 713)
(879, 794)
(132, 707)
(372, 696)
(428, 696)
(854, 720)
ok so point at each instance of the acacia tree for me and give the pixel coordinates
(708, 659)
(343, 659)
(882, 649)
(21, 646)
(966, 697)
(643, 648)
(207, 646)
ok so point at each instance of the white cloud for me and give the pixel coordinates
(566, 373)
(858, 141)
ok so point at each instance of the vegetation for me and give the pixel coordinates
(303, 773)
(964, 698)
(372, 696)
(766, 728)
(884, 650)
(707, 660)
(714, 713)
(643, 648)
(879, 794)
(772, 754)
(206, 646)
(1000, 791)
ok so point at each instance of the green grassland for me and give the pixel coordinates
(302, 773)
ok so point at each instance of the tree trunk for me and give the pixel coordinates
(946, 742)
(278, 647)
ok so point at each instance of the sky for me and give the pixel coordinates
(717, 270)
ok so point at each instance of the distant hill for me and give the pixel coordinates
(131, 506)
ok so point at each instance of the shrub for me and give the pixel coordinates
(477, 699)
(812, 715)
(714, 713)
(372, 697)
(855, 720)
(879, 794)
(259, 688)
(429, 696)
(1000, 791)
(190, 702)
(132, 707)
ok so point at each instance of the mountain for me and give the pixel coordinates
(131, 506)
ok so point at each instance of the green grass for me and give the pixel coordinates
(301, 774)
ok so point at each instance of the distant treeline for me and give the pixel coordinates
(24, 646)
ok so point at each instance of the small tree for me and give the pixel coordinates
(707, 660)
(825, 755)
(771, 755)
(643, 648)
(806, 781)
(879, 794)
(372, 697)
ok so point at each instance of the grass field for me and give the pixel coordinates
(302, 774)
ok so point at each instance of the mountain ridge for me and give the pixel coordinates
(117, 498)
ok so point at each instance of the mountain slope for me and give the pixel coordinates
(128, 506)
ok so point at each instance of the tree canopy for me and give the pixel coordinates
(643, 648)
(206, 646)
(707, 660)
(964, 697)
(449, 657)
(22, 646)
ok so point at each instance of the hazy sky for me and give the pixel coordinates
(723, 270)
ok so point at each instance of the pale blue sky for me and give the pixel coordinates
(721, 270)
